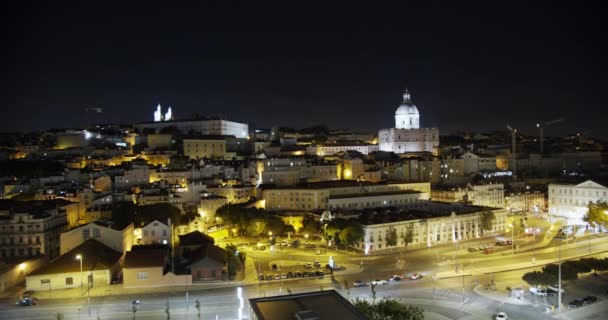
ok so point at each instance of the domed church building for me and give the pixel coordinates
(407, 136)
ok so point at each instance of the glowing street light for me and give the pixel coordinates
(79, 257)
(306, 236)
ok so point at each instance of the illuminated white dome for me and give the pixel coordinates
(407, 115)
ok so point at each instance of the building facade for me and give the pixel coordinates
(321, 195)
(30, 229)
(118, 237)
(205, 148)
(571, 201)
(201, 126)
(431, 223)
(407, 136)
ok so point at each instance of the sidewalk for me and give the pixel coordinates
(498, 295)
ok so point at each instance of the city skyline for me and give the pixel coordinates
(265, 67)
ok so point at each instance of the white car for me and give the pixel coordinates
(501, 316)
(416, 276)
(378, 282)
(538, 292)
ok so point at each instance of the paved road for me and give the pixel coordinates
(442, 297)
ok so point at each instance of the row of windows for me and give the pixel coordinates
(20, 252)
(587, 193)
(153, 233)
(11, 240)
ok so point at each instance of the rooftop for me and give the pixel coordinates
(334, 184)
(96, 256)
(145, 258)
(195, 238)
(327, 304)
(372, 194)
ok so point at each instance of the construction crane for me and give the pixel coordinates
(541, 126)
(513, 133)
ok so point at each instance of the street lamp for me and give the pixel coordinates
(306, 236)
(79, 257)
(512, 226)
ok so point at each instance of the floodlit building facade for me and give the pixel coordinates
(431, 222)
(407, 136)
(571, 201)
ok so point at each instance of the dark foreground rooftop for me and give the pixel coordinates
(312, 305)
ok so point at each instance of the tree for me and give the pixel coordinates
(568, 273)
(232, 260)
(597, 215)
(391, 237)
(486, 220)
(310, 226)
(538, 278)
(408, 237)
(388, 309)
(351, 234)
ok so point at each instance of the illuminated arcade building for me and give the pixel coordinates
(203, 125)
(407, 136)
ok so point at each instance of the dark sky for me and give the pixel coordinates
(469, 67)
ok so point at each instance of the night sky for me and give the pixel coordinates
(468, 67)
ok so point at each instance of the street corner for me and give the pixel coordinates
(503, 296)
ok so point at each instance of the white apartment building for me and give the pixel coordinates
(571, 201)
(432, 223)
(317, 195)
(156, 232)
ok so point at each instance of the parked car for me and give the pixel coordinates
(284, 276)
(395, 278)
(305, 274)
(308, 265)
(135, 302)
(317, 264)
(471, 249)
(269, 277)
(277, 277)
(555, 288)
(298, 274)
(575, 303)
(501, 316)
(290, 274)
(416, 276)
(274, 266)
(551, 292)
(26, 302)
(261, 277)
(589, 299)
(358, 284)
(538, 292)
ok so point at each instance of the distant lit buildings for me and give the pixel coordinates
(204, 126)
(33, 228)
(349, 194)
(407, 136)
(571, 201)
(210, 148)
(487, 195)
